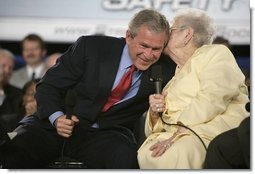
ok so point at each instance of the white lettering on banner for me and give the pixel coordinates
(203, 4)
(62, 31)
(158, 4)
(141, 3)
(71, 30)
(114, 4)
(231, 17)
(177, 4)
(226, 4)
(234, 33)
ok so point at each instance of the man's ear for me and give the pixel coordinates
(128, 36)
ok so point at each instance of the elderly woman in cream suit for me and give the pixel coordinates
(207, 95)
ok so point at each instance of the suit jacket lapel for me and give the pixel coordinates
(109, 63)
(146, 85)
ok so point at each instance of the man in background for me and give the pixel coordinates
(52, 59)
(10, 96)
(33, 52)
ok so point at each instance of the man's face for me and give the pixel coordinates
(146, 47)
(32, 52)
(6, 68)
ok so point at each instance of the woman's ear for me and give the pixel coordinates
(189, 35)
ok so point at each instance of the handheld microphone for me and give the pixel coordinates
(157, 78)
(70, 101)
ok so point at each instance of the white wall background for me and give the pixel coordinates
(66, 20)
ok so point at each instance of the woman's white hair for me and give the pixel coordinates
(200, 22)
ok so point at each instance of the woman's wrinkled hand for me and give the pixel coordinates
(160, 147)
(157, 105)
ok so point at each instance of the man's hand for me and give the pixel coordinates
(30, 108)
(65, 126)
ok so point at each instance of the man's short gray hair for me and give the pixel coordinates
(7, 53)
(152, 19)
(204, 29)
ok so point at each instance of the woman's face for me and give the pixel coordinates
(176, 41)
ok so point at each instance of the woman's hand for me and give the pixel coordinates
(157, 102)
(160, 147)
(157, 105)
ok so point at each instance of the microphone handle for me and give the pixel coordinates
(158, 87)
(69, 112)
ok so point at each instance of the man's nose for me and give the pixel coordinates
(148, 52)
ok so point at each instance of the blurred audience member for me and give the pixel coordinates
(222, 40)
(28, 100)
(33, 52)
(51, 59)
(247, 73)
(10, 96)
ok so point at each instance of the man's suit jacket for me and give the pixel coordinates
(10, 109)
(90, 67)
(20, 77)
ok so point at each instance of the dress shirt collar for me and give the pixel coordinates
(126, 60)
(38, 70)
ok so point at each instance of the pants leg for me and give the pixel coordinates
(103, 149)
(33, 147)
(244, 138)
(230, 149)
(224, 152)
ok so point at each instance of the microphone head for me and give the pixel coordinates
(247, 107)
(70, 99)
(156, 73)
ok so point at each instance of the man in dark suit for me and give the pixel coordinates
(10, 96)
(230, 149)
(98, 133)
